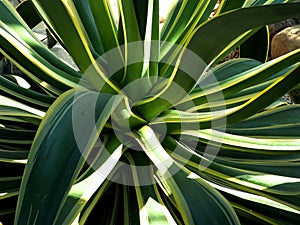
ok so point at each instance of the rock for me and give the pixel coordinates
(285, 41)
(15, 2)
(277, 27)
(63, 54)
(287, 98)
(232, 55)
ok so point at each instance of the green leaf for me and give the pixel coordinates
(243, 143)
(105, 24)
(255, 104)
(236, 22)
(183, 18)
(133, 46)
(261, 210)
(85, 13)
(141, 9)
(265, 98)
(108, 32)
(151, 41)
(203, 40)
(13, 156)
(16, 26)
(9, 186)
(81, 192)
(270, 123)
(29, 15)
(32, 63)
(49, 155)
(69, 31)
(197, 202)
(26, 96)
(105, 207)
(151, 205)
(227, 5)
(240, 81)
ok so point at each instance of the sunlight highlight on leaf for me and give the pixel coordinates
(255, 198)
(153, 213)
(268, 180)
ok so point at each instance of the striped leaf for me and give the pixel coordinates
(49, 155)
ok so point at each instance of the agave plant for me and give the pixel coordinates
(148, 128)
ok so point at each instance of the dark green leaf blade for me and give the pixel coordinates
(202, 42)
(42, 190)
(197, 202)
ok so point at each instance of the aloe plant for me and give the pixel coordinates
(148, 129)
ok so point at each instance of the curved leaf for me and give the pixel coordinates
(198, 203)
(49, 155)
